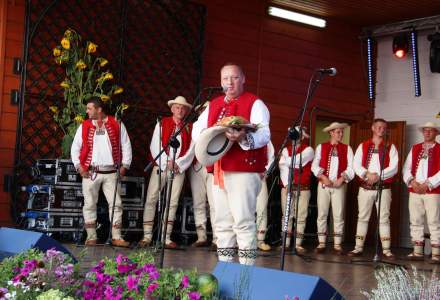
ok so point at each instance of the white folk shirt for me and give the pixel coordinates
(259, 115)
(306, 156)
(421, 172)
(183, 162)
(102, 148)
(270, 154)
(334, 165)
(374, 165)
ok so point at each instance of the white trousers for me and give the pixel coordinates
(336, 198)
(152, 198)
(303, 205)
(91, 194)
(366, 200)
(201, 182)
(262, 200)
(419, 206)
(235, 208)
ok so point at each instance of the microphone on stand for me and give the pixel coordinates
(217, 88)
(329, 71)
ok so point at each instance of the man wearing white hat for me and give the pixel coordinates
(201, 182)
(262, 201)
(179, 108)
(333, 166)
(421, 173)
(237, 179)
(367, 165)
(303, 161)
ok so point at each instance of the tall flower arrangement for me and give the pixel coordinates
(87, 75)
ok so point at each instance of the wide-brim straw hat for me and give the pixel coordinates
(335, 125)
(212, 145)
(179, 100)
(430, 125)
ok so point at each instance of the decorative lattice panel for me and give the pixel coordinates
(154, 49)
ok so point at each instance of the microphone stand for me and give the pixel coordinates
(173, 143)
(294, 136)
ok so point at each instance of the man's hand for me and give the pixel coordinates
(83, 173)
(372, 178)
(122, 171)
(325, 181)
(235, 135)
(423, 188)
(337, 183)
(172, 166)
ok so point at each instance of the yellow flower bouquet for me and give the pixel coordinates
(87, 76)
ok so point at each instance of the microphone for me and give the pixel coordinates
(329, 71)
(217, 88)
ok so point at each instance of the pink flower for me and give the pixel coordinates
(194, 295)
(152, 287)
(185, 282)
(132, 283)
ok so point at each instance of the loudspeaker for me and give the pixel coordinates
(238, 281)
(14, 241)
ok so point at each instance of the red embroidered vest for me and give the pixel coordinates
(433, 163)
(306, 170)
(168, 128)
(326, 152)
(367, 152)
(237, 159)
(88, 132)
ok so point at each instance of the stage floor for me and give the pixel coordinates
(349, 278)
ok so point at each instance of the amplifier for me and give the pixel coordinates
(66, 173)
(55, 220)
(186, 218)
(132, 190)
(54, 197)
(46, 170)
(132, 218)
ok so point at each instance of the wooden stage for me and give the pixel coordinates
(348, 278)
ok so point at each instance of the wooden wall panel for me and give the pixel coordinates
(11, 45)
(279, 57)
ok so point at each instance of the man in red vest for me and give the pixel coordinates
(421, 173)
(101, 144)
(367, 165)
(161, 135)
(238, 180)
(333, 166)
(303, 159)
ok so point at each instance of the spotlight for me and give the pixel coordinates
(400, 45)
(434, 52)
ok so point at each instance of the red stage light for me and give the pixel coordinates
(399, 53)
(400, 45)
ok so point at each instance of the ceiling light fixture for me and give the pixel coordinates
(297, 17)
